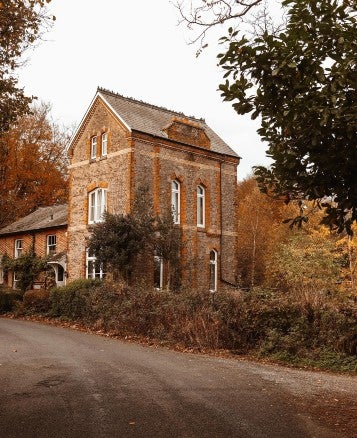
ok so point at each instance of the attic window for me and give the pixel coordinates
(104, 144)
(93, 147)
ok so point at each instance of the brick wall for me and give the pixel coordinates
(156, 164)
(137, 160)
(36, 240)
(112, 172)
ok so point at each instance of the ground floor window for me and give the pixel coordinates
(94, 269)
(213, 264)
(15, 283)
(158, 272)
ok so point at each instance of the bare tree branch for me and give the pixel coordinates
(206, 14)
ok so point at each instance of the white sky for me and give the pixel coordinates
(134, 48)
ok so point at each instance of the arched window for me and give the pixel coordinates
(97, 205)
(175, 201)
(200, 206)
(213, 271)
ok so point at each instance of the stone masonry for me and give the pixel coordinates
(149, 146)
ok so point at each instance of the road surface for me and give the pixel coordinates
(58, 382)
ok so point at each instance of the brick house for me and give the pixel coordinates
(123, 144)
(45, 232)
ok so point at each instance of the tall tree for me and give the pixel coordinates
(21, 23)
(302, 83)
(259, 230)
(33, 165)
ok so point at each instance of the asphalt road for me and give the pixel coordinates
(57, 382)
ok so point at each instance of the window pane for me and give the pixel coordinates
(93, 147)
(158, 272)
(213, 271)
(92, 207)
(104, 143)
(18, 248)
(51, 244)
(200, 206)
(175, 201)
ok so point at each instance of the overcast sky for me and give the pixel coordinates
(136, 49)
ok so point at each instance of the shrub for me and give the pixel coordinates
(8, 299)
(260, 322)
(70, 301)
(37, 300)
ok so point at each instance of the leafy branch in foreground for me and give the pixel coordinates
(302, 84)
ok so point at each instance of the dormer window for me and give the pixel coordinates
(104, 144)
(93, 147)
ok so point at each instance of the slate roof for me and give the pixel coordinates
(42, 218)
(150, 119)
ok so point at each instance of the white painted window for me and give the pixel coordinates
(51, 244)
(200, 206)
(97, 205)
(158, 272)
(15, 281)
(18, 248)
(93, 147)
(213, 265)
(175, 201)
(104, 144)
(94, 269)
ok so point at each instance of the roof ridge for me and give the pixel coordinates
(141, 102)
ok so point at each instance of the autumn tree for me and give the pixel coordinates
(21, 24)
(33, 165)
(304, 266)
(259, 230)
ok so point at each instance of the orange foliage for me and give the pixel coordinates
(33, 166)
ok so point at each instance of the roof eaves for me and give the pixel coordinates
(113, 110)
(203, 149)
(81, 123)
(32, 230)
(100, 95)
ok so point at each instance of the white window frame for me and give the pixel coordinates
(93, 147)
(18, 250)
(97, 205)
(159, 261)
(201, 206)
(15, 281)
(51, 244)
(175, 201)
(104, 151)
(91, 259)
(213, 265)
